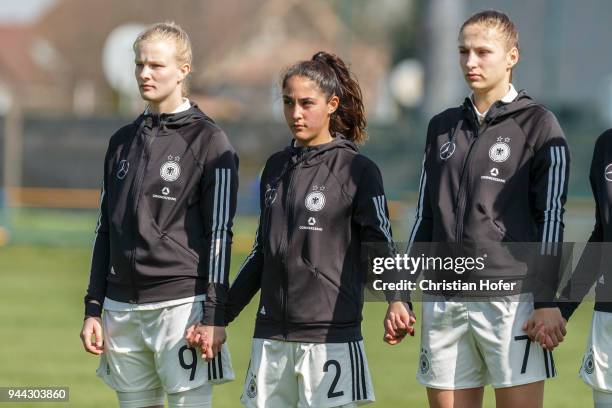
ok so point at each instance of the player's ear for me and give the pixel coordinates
(512, 57)
(332, 104)
(184, 70)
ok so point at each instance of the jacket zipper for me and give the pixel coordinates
(137, 188)
(465, 171)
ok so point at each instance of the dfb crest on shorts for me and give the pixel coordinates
(589, 363)
(500, 151)
(170, 171)
(251, 390)
(124, 167)
(315, 201)
(424, 365)
(608, 172)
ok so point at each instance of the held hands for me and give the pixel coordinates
(546, 326)
(91, 335)
(208, 339)
(399, 321)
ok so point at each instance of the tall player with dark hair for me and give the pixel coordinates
(320, 201)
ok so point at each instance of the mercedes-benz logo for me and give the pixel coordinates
(124, 166)
(608, 172)
(447, 150)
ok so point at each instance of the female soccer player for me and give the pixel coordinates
(594, 266)
(162, 249)
(320, 201)
(495, 169)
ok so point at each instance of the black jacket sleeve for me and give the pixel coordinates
(588, 269)
(248, 280)
(421, 235)
(549, 178)
(219, 189)
(100, 258)
(423, 223)
(370, 210)
(371, 213)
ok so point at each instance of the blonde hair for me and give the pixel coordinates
(171, 32)
(498, 20)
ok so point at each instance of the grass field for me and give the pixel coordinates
(41, 310)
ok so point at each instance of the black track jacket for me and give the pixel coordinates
(318, 205)
(594, 263)
(502, 181)
(167, 206)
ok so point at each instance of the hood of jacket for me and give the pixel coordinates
(172, 121)
(499, 110)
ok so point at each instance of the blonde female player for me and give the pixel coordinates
(320, 201)
(495, 170)
(162, 249)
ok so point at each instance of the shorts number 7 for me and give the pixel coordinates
(526, 355)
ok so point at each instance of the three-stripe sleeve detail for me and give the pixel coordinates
(383, 220)
(554, 192)
(221, 211)
(419, 209)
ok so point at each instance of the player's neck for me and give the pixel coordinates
(168, 105)
(483, 99)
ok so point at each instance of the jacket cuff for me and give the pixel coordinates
(542, 305)
(92, 308)
(567, 309)
(213, 316)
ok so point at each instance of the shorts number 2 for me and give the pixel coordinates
(332, 393)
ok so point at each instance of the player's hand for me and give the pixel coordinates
(546, 326)
(208, 338)
(91, 336)
(197, 337)
(398, 322)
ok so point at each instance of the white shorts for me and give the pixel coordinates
(472, 344)
(200, 397)
(295, 374)
(595, 369)
(146, 349)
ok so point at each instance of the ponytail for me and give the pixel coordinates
(333, 77)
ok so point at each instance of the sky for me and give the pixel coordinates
(22, 11)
